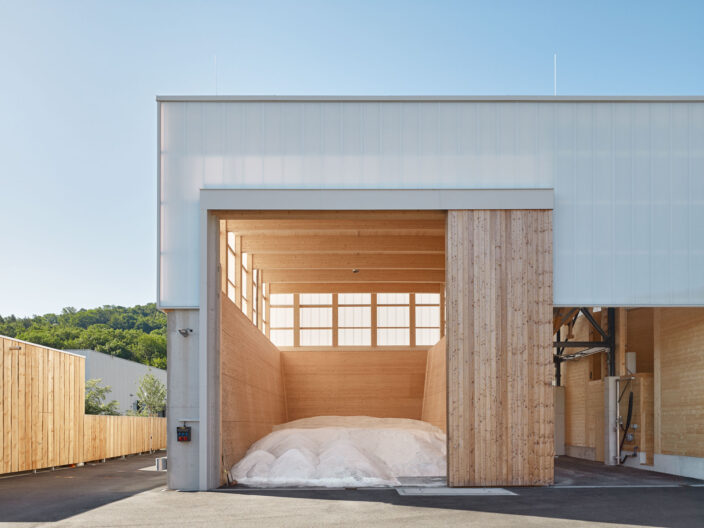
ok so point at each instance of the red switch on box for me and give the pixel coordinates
(183, 434)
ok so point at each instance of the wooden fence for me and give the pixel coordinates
(42, 419)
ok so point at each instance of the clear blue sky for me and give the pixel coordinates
(78, 116)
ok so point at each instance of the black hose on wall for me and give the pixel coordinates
(628, 424)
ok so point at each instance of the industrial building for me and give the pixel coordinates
(523, 273)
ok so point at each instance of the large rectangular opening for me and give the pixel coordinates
(332, 347)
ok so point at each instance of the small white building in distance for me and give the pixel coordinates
(120, 374)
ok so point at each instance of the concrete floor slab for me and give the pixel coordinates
(112, 495)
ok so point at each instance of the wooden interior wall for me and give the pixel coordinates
(435, 392)
(252, 389)
(386, 383)
(584, 399)
(640, 337)
(41, 406)
(679, 371)
(499, 341)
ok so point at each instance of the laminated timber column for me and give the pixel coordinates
(499, 349)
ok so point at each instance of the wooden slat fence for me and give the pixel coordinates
(42, 419)
(112, 436)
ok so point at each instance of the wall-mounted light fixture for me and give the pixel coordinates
(185, 332)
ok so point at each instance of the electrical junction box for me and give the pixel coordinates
(183, 434)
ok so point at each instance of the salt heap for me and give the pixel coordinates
(343, 451)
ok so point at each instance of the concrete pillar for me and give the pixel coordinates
(182, 376)
(611, 429)
(559, 420)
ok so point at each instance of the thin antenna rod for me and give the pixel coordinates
(554, 74)
(216, 74)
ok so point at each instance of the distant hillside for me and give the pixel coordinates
(137, 333)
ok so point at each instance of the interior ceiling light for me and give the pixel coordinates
(355, 270)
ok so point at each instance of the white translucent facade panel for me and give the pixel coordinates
(316, 337)
(627, 176)
(427, 298)
(428, 316)
(392, 337)
(281, 317)
(354, 316)
(315, 298)
(316, 317)
(392, 298)
(354, 337)
(392, 316)
(354, 298)
(427, 336)
(281, 337)
(278, 299)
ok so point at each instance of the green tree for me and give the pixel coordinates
(96, 394)
(137, 333)
(151, 396)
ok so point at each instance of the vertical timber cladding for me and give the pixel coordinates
(499, 349)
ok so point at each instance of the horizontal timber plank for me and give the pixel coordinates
(360, 287)
(362, 275)
(343, 244)
(349, 261)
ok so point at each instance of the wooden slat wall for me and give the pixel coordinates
(639, 329)
(113, 436)
(435, 392)
(385, 383)
(252, 390)
(42, 420)
(41, 407)
(499, 330)
(679, 371)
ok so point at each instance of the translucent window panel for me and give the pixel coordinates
(245, 260)
(281, 299)
(392, 316)
(263, 309)
(427, 316)
(316, 317)
(281, 337)
(427, 298)
(230, 291)
(427, 336)
(264, 289)
(315, 298)
(281, 317)
(316, 337)
(392, 336)
(392, 298)
(244, 283)
(244, 306)
(354, 337)
(231, 275)
(354, 298)
(354, 316)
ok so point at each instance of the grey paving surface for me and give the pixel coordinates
(577, 472)
(54, 495)
(112, 494)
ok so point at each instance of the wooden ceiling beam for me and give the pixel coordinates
(323, 226)
(344, 276)
(343, 244)
(350, 261)
(331, 215)
(360, 287)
